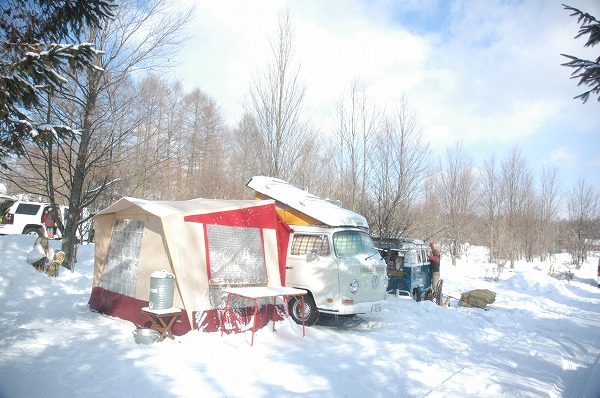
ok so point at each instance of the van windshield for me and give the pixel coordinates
(353, 243)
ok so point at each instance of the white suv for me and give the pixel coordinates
(19, 217)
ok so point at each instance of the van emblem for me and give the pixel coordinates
(374, 281)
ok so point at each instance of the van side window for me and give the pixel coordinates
(304, 244)
(399, 263)
(410, 257)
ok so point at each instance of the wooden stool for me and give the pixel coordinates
(162, 320)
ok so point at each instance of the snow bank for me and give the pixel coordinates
(541, 338)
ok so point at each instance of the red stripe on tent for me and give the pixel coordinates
(251, 217)
(129, 308)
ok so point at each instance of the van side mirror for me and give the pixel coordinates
(312, 256)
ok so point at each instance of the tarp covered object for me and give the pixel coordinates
(479, 298)
(208, 245)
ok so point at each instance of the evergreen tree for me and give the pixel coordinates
(588, 72)
(31, 58)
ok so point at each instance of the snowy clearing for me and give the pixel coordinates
(541, 338)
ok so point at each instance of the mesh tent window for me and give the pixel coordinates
(236, 258)
(120, 271)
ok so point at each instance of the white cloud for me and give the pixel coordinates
(482, 72)
(595, 163)
(563, 157)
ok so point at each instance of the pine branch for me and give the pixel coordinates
(588, 72)
(31, 61)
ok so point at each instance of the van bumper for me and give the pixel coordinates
(352, 309)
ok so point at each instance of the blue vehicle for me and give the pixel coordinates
(408, 267)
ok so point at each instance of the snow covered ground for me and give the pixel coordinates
(541, 338)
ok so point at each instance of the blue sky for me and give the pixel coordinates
(486, 73)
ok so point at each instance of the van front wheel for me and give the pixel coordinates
(311, 314)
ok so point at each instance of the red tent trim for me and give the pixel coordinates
(252, 217)
(129, 308)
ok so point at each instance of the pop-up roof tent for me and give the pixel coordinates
(298, 207)
(207, 244)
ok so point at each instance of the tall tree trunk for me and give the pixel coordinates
(69, 243)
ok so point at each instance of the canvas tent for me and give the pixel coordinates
(207, 244)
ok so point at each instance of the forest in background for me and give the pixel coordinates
(143, 135)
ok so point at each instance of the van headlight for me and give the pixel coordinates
(354, 286)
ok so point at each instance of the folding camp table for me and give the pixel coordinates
(254, 293)
(162, 320)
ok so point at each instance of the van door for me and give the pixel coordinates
(310, 266)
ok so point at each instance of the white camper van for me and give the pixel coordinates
(330, 253)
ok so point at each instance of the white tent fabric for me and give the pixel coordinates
(174, 238)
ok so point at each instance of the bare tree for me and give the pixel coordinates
(147, 171)
(315, 163)
(457, 188)
(248, 152)
(583, 212)
(139, 37)
(277, 104)
(529, 225)
(490, 204)
(357, 123)
(177, 149)
(549, 202)
(204, 146)
(516, 188)
(400, 163)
